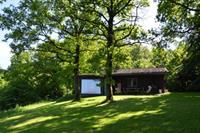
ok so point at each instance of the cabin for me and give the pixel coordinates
(138, 80)
(126, 81)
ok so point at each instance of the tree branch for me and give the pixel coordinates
(130, 31)
(121, 9)
(186, 7)
(130, 43)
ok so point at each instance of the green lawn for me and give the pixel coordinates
(173, 112)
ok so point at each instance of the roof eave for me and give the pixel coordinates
(126, 74)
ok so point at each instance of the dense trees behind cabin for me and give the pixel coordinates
(35, 76)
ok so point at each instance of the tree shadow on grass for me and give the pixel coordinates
(175, 113)
(166, 113)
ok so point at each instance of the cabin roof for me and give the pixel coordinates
(139, 71)
(133, 71)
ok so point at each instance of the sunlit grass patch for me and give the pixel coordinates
(37, 105)
(33, 121)
(172, 112)
(12, 118)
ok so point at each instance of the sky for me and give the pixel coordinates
(5, 51)
(148, 22)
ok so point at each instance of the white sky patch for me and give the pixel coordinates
(5, 50)
(148, 14)
(5, 55)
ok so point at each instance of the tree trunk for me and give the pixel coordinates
(109, 89)
(110, 39)
(77, 95)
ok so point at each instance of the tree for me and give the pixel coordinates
(180, 20)
(175, 65)
(3, 81)
(52, 26)
(33, 76)
(115, 23)
(161, 57)
(20, 88)
(141, 57)
(50, 75)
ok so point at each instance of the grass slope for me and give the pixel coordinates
(175, 112)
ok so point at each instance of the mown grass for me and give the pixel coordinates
(173, 112)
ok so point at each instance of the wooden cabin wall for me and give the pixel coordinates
(156, 81)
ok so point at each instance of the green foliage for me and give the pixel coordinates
(122, 58)
(135, 56)
(141, 57)
(161, 57)
(33, 77)
(175, 65)
(180, 19)
(17, 93)
(3, 81)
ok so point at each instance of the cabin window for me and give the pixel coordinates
(132, 82)
(90, 86)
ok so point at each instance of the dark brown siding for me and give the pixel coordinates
(156, 81)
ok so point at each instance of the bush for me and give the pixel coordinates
(20, 94)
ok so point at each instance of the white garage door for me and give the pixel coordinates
(90, 86)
